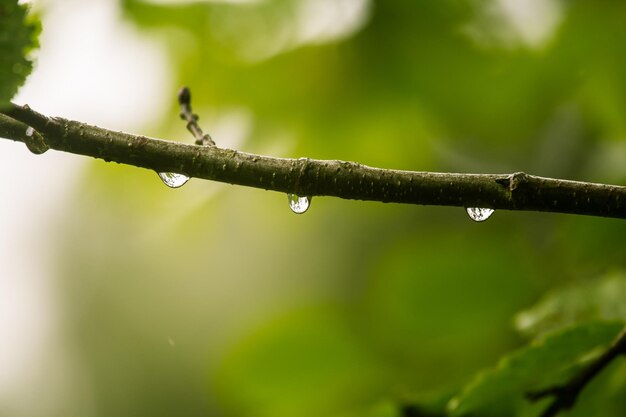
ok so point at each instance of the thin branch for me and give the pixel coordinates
(310, 177)
(565, 395)
(184, 99)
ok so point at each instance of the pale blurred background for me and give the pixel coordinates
(120, 296)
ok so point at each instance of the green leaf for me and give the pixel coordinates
(18, 37)
(548, 361)
(600, 299)
(309, 363)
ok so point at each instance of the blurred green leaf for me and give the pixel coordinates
(600, 299)
(605, 393)
(306, 364)
(548, 361)
(423, 302)
(18, 37)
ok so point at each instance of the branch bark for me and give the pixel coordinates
(311, 177)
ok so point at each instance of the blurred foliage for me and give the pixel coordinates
(18, 37)
(217, 300)
(547, 362)
(273, 371)
(598, 299)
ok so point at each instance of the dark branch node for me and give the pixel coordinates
(513, 181)
(503, 181)
(516, 180)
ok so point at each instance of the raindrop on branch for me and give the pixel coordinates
(479, 214)
(34, 141)
(298, 204)
(173, 180)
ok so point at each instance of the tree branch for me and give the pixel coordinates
(565, 395)
(310, 177)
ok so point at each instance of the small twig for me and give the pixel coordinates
(184, 99)
(565, 395)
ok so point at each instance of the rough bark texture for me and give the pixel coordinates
(310, 177)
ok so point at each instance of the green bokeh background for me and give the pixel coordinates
(217, 300)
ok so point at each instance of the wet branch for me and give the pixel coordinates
(310, 177)
(565, 395)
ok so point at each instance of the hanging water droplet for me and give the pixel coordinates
(298, 204)
(173, 180)
(34, 141)
(479, 214)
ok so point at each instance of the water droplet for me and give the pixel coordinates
(298, 204)
(34, 141)
(479, 214)
(173, 180)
